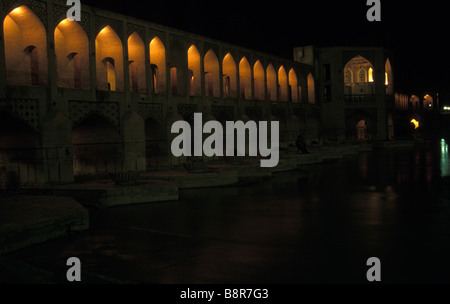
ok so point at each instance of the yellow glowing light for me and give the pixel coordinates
(415, 123)
(370, 75)
(104, 30)
(386, 79)
(17, 10)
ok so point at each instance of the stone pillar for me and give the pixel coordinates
(56, 138)
(133, 133)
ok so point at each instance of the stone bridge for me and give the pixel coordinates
(100, 95)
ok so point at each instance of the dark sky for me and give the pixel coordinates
(416, 31)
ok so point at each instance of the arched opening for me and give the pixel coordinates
(109, 57)
(97, 146)
(311, 89)
(174, 80)
(271, 83)
(212, 79)
(258, 74)
(155, 144)
(358, 77)
(18, 153)
(158, 65)
(282, 84)
(427, 102)
(415, 101)
(108, 62)
(361, 131)
(293, 86)
(136, 57)
(25, 48)
(195, 84)
(389, 79)
(72, 56)
(245, 79)
(229, 76)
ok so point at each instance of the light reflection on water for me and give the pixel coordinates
(445, 164)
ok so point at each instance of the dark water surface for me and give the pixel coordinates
(393, 205)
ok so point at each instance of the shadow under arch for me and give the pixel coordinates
(19, 153)
(97, 146)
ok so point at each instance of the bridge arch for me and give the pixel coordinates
(311, 89)
(158, 65)
(194, 73)
(293, 85)
(245, 79)
(25, 41)
(97, 146)
(271, 83)
(136, 58)
(282, 84)
(258, 72)
(72, 56)
(229, 76)
(212, 80)
(109, 57)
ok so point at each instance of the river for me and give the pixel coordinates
(320, 225)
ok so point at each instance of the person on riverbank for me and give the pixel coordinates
(301, 145)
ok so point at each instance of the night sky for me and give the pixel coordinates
(416, 31)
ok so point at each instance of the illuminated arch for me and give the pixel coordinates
(109, 57)
(258, 75)
(293, 85)
(415, 101)
(245, 79)
(212, 80)
(359, 76)
(229, 76)
(389, 81)
(282, 84)
(428, 102)
(136, 58)
(311, 89)
(195, 85)
(25, 41)
(72, 56)
(271, 83)
(158, 65)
